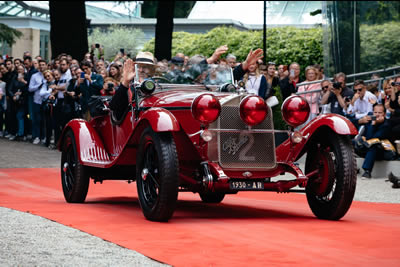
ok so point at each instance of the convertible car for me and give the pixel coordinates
(208, 136)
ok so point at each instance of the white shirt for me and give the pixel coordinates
(363, 106)
(37, 80)
(64, 80)
(253, 84)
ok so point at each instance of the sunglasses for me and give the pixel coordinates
(325, 87)
(358, 90)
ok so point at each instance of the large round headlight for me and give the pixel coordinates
(147, 87)
(253, 110)
(295, 110)
(206, 108)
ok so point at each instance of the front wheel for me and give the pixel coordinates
(74, 176)
(332, 170)
(157, 175)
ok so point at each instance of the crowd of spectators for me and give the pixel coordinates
(38, 98)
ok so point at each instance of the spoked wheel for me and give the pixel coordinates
(212, 197)
(74, 176)
(332, 170)
(157, 175)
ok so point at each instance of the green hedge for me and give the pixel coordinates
(284, 45)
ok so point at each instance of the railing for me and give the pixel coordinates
(379, 80)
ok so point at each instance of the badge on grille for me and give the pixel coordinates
(232, 147)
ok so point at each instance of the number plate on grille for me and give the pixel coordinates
(246, 185)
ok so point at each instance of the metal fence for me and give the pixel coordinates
(395, 70)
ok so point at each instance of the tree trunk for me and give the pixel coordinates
(68, 28)
(164, 28)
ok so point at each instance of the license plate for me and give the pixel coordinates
(246, 185)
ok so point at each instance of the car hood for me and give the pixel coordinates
(177, 98)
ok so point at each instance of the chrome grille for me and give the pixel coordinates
(242, 150)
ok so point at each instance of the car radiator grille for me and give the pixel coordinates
(242, 150)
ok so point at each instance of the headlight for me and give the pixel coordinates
(295, 110)
(206, 108)
(253, 110)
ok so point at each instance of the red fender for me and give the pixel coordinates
(337, 123)
(90, 147)
(160, 120)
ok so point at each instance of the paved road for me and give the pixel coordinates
(27, 240)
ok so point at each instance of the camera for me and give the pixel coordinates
(337, 85)
(395, 83)
(51, 102)
(97, 45)
(110, 86)
(347, 99)
(122, 50)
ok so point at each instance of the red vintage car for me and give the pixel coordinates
(210, 137)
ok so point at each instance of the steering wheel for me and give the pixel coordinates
(161, 79)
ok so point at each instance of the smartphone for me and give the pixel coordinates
(97, 45)
(122, 50)
(82, 74)
(292, 73)
(373, 118)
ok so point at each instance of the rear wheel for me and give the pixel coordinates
(74, 176)
(332, 170)
(157, 174)
(212, 197)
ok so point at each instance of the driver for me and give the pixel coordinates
(123, 96)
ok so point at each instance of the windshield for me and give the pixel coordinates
(205, 74)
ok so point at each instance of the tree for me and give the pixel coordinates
(182, 9)
(116, 37)
(68, 28)
(164, 28)
(8, 35)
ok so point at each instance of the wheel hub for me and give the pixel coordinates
(145, 172)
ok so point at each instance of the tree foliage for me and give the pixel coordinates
(9, 35)
(380, 46)
(182, 9)
(284, 45)
(116, 37)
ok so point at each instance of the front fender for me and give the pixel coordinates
(288, 151)
(339, 124)
(160, 120)
(89, 145)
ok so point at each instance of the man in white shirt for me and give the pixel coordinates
(62, 85)
(35, 84)
(361, 104)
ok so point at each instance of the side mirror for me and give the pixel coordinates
(227, 87)
(147, 87)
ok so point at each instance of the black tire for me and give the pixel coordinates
(212, 197)
(158, 190)
(331, 190)
(74, 176)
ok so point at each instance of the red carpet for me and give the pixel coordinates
(247, 229)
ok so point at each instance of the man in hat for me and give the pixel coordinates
(145, 68)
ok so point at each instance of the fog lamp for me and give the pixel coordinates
(206, 135)
(296, 137)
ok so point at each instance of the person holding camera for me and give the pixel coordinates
(338, 97)
(288, 84)
(361, 104)
(377, 127)
(108, 87)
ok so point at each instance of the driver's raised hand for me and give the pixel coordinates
(129, 72)
(217, 54)
(252, 58)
